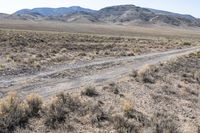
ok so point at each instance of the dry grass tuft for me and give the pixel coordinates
(128, 107)
(145, 74)
(144, 70)
(2, 67)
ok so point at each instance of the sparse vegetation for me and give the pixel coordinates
(22, 53)
(171, 87)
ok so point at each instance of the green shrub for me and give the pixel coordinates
(187, 44)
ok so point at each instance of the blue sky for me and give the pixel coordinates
(180, 6)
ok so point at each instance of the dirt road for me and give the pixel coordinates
(71, 76)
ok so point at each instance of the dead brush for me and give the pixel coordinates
(60, 108)
(98, 115)
(13, 112)
(112, 87)
(131, 113)
(164, 123)
(194, 54)
(145, 74)
(34, 102)
(123, 125)
(55, 113)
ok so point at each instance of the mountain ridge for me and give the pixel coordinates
(47, 11)
(119, 14)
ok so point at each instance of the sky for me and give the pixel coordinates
(191, 7)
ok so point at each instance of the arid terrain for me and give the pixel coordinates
(32, 49)
(58, 77)
(163, 97)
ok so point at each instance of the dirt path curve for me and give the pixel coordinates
(69, 76)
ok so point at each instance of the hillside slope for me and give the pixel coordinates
(121, 14)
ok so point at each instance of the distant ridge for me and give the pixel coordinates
(121, 14)
(54, 11)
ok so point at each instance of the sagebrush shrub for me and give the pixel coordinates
(34, 102)
(13, 112)
(61, 106)
(90, 91)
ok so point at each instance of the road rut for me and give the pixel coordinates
(71, 76)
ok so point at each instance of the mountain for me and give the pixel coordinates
(3, 15)
(134, 14)
(178, 18)
(75, 17)
(27, 16)
(70, 14)
(125, 13)
(54, 11)
(121, 14)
